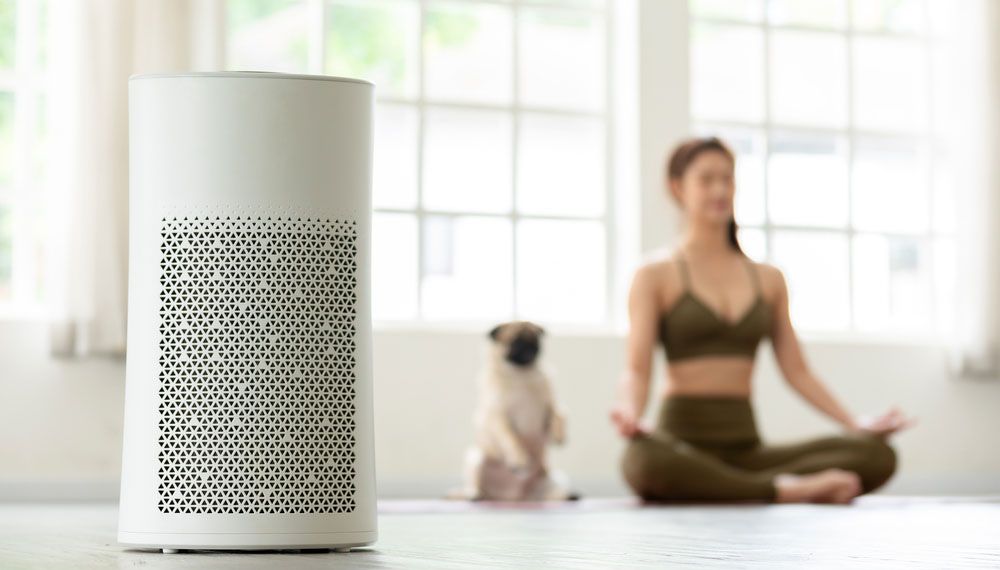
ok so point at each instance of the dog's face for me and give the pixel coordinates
(517, 342)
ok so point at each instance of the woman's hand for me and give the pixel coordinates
(885, 424)
(627, 421)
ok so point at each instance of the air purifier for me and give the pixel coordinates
(248, 403)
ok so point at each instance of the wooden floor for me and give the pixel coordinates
(876, 531)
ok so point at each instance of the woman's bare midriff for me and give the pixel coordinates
(709, 376)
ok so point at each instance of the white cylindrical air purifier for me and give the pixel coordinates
(248, 404)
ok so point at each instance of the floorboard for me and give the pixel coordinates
(910, 532)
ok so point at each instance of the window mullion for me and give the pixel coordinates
(932, 157)
(851, 150)
(768, 237)
(23, 271)
(610, 227)
(421, 125)
(317, 37)
(515, 142)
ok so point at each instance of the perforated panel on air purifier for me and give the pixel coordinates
(258, 362)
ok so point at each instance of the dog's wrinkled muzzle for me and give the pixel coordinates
(522, 352)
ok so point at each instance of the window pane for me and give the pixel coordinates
(749, 200)
(891, 284)
(942, 18)
(819, 13)
(6, 245)
(749, 147)
(808, 180)
(809, 78)
(467, 161)
(42, 31)
(890, 84)
(8, 33)
(572, 290)
(727, 67)
(41, 148)
(890, 186)
(467, 50)
(267, 35)
(815, 266)
(748, 10)
(753, 242)
(562, 58)
(394, 179)
(944, 207)
(394, 266)
(888, 15)
(375, 40)
(947, 87)
(945, 270)
(467, 268)
(7, 144)
(561, 165)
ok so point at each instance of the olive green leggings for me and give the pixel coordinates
(707, 448)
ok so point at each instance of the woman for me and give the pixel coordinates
(710, 305)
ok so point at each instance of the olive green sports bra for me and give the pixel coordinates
(691, 328)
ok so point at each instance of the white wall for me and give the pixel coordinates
(61, 422)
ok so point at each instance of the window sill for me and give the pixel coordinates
(36, 316)
(560, 330)
(18, 313)
(825, 338)
(873, 339)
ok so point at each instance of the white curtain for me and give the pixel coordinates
(95, 45)
(973, 78)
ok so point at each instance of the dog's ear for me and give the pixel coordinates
(541, 331)
(495, 331)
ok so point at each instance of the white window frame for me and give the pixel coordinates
(611, 217)
(666, 32)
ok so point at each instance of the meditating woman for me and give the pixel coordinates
(710, 305)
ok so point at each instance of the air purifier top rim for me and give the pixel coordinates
(249, 74)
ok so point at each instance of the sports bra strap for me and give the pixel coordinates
(682, 267)
(753, 274)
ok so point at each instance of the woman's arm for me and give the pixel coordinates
(633, 385)
(792, 362)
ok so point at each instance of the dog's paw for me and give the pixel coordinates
(520, 467)
(518, 461)
(557, 430)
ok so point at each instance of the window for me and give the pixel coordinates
(22, 142)
(831, 107)
(491, 179)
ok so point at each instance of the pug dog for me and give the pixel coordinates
(517, 417)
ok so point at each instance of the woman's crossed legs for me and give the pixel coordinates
(659, 466)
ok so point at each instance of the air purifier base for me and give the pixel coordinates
(172, 543)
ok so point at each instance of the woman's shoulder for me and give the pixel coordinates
(657, 261)
(772, 279)
(766, 269)
(658, 270)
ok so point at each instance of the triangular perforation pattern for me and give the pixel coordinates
(257, 365)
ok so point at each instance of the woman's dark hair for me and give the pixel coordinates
(685, 153)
